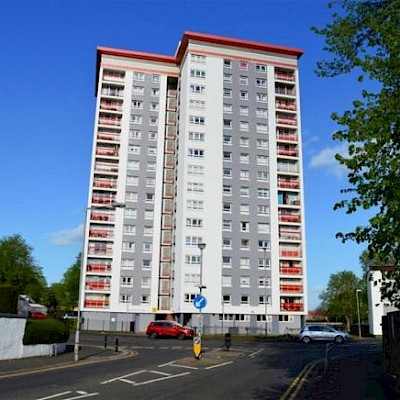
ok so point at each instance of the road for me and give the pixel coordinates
(166, 368)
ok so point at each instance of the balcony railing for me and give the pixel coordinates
(289, 235)
(286, 121)
(101, 233)
(106, 167)
(105, 183)
(98, 286)
(97, 216)
(107, 151)
(291, 288)
(113, 76)
(110, 121)
(289, 218)
(98, 268)
(285, 76)
(292, 306)
(103, 200)
(104, 105)
(290, 253)
(291, 270)
(291, 184)
(108, 136)
(100, 251)
(97, 303)
(287, 152)
(289, 138)
(285, 105)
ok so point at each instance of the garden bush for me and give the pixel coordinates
(45, 331)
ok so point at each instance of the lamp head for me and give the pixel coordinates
(201, 246)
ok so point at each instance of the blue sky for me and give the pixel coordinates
(47, 65)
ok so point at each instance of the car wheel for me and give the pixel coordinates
(181, 336)
(153, 335)
(339, 339)
(306, 339)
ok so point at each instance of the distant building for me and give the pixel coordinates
(200, 147)
(27, 307)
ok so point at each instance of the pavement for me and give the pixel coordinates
(359, 376)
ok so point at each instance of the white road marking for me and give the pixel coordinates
(84, 396)
(54, 395)
(252, 355)
(123, 376)
(219, 365)
(183, 366)
(160, 373)
(161, 379)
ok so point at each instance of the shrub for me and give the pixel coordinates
(45, 331)
(8, 299)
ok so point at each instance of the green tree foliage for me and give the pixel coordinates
(18, 268)
(340, 299)
(364, 37)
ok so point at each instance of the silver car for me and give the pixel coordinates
(322, 333)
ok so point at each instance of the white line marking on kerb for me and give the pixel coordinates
(123, 376)
(219, 365)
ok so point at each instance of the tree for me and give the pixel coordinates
(18, 268)
(340, 300)
(364, 37)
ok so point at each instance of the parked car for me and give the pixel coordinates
(169, 328)
(322, 333)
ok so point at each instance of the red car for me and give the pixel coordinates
(169, 328)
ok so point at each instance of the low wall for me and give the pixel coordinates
(12, 329)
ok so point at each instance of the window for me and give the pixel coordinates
(149, 197)
(244, 157)
(197, 104)
(243, 65)
(134, 149)
(244, 95)
(244, 262)
(196, 153)
(244, 226)
(226, 225)
(138, 76)
(244, 281)
(195, 187)
(227, 155)
(189, 297)
(261, 128)
(136, 119)
(263, 282)
(153, 120)
(264, 263)
(197, 89)
(262, 159)
(262, 209)
(261, 68)
(192, 279)
(197, 73)
(194, 222)
(146, 265)
(263, 228)
(227, 123)
(155, 92)
(244, 191)
(155, 78)
(153, 106)
(138, 90)
(193, 240)
(227, 77)
(261, 97)
(131, 212)
(227, 207)
(244, 110)
(226, 261)
(262, 176)
(192, 259)
(227, 189)
(196, 120)
(152, 135)
(262, 144)
(128, 246)
(245, 245)
(263, 193)
(197, 170)
(227, 173)
(135, 134)
(261, 112)
(244, 174)
(227, 63)
(244, 126)
(152, 151)
(131, 196)
(227, 140)
(243, 80)
(147, 247)
(138, 105)
(228, 93)
(151, 166)
(261, 82)
(226, 281)
(148, 231)
(285, 318)
(126, 263)
(263, 244)
(244, 141)
(227, 243)
(145, 282)
(148, 214)
(227, 108)
(196, 136)
(245, 209)
(194, 204)
(145, 299)
(129, 229)
(197, 58)
(126, 281)
(132, 180)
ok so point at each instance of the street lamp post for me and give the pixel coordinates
(113, 205)
(358, 312)
(266, 292)
(201, 246)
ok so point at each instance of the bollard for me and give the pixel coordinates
(105, 341)
(116, 345)
(227, 341)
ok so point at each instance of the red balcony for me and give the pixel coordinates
(292, 306)
(105, 183)
(285, 105)
(95, 216)
(286, 121)
(110, 105)
(108, 136)
(288, 152)
(97, 233)
(291, 288)
(289, 218)
(113, 76)
(290, 253)
(98, 268)
(107, 151)
(102, 200)
(97, 303)
(107, 167)
(110, 121)
(98, 286)
(100, 251)
(286, 270)
(284, 76)
(289, 235)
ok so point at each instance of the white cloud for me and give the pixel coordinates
(67, 237)
(326, 159)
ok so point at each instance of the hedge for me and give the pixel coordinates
(45, 331)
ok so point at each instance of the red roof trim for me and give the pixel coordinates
(136, 54)
(202, 37)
